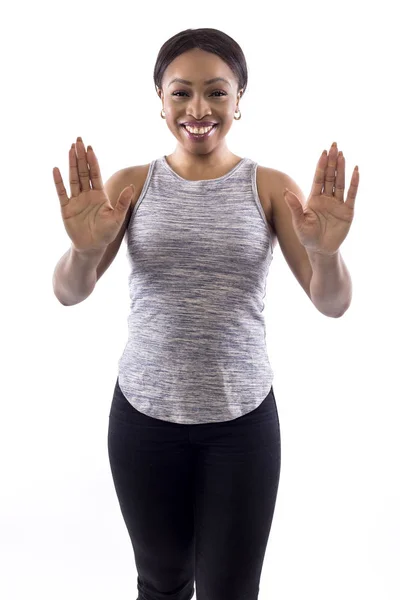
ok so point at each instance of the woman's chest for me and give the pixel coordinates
(264, 181)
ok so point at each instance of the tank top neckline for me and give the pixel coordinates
(189, 181)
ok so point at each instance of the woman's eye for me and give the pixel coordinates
(216, 92)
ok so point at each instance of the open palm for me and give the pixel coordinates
(325, 221)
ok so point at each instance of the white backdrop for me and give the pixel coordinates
(318, 73)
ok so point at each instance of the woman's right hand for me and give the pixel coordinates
(89, 218)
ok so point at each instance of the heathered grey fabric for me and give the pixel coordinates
(199, 254)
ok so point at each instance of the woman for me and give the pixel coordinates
(194, 437)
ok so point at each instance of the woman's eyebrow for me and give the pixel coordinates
(186, 82)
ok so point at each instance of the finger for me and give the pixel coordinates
(61, 191)
(352, 192)
(82, 166)
(74, 182)
(319, 177)
(95, 175)
(330, 173)
(340, 184)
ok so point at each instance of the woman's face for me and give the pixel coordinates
(215, 102)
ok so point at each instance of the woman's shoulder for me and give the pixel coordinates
(137, 176)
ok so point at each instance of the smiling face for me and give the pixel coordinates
(201, 100)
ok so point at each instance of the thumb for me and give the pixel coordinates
(295, 205)
(125, 198)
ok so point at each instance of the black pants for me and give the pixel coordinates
(197, 500)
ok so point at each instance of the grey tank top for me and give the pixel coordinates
(199, 255)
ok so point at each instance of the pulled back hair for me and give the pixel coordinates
(210, 40)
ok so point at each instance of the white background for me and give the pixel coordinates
(318, 73)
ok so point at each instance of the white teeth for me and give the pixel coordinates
(198, 131)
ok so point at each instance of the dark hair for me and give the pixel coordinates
(210, 40)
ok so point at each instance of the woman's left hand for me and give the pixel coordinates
(324, 222)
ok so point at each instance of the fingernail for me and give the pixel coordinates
(79, 139)
(334, 145)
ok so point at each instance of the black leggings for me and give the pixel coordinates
(197, 500)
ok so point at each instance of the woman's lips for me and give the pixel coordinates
(199, 137)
